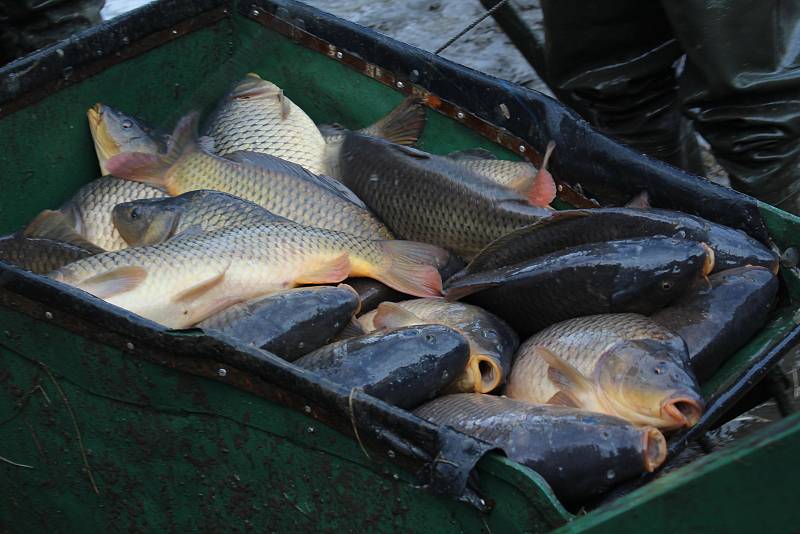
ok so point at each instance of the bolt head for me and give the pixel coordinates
(222, 371)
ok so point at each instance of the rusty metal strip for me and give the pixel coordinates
(498, 135)
(195, 23)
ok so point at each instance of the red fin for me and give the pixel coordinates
(412, 268)
(139, 167)
(334, 270)
(114, 282)
(542, 190)
(391, 315)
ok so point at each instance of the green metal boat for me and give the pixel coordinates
(109, 422)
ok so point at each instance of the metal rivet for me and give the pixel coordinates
(339, 55)
(460, 114)
(255, 12)
(391, 453)
(522, 148)
(504, 111)
(48, 315)
(174, 32)
(560, 188)
(222, 371)
(396, 476)
(307, 408)
(129, 345)
(400, 85)
(310, 430)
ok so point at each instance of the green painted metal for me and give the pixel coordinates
(749, 487)
(172, 451)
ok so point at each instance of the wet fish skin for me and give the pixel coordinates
(282, 187)
(430, 198)
(625, 365)
(635, 275)
(580, 454)
(492, 342)
(180, 282)
(114, 132)
(719, 317)
(404, 367)
(40, 255)
(290, 323)
(732, 248)
(152, 221)
(257, 116)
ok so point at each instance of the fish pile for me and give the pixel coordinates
(572, 340)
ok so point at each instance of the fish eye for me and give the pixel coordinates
(489, 334)
(658, 370)
(135, 213)
(127, 123)
(666, 285)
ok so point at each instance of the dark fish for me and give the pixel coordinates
(732, 248)
(718, 318)
(636, 275)
(432, 198)
(580, 454)
(291, 323)
(152, 221)
(404, 367)
(41, 255)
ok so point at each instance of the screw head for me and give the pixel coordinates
(400, 85)
(522, 148)
(48, 315)
(391, 453)
(307, 408)
(339, 55)
(460, 115)
(222, 371)
(311, 430)
(255, 12)
(129, 345)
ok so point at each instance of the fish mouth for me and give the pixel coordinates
(708, 264)
(95, 115)
(104, 144)
(684, 410)
(487, 373)
(654, 448)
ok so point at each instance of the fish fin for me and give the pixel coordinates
(563, 375)
(353, 329)
(276, 164)
(471, 154)
(458, 290)
(409, 151)
(192, 231)
(391, 315)
(642, 201)
(542, 190)
(193, 292)
(350, 288)
(412, 267)
(114, 282)
(403, 125)
(207, 144)
(152, 168)
(564, 398)
(53, 224)
(334, 270)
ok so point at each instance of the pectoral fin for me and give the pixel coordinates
(328, 272)
(391, 315)
(566, 378)
(114, 282)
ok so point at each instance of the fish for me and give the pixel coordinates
(430, 198)
(290, 323)
(41, 255)
(492, 343)
(182, 281)
(580, 454)
(520, 176)
(281, 187)
(256, 116)
(569, 228)
(634, 275)
(114, 132)
(625, 365)
(718, 317)
(403, 126)
(404, 367)
(87, 215)
(153, 221)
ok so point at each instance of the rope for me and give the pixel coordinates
(471, 25)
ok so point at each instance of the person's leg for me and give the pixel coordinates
(613, 63)
(741, 86)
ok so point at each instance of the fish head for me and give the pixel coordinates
(652, 287)
(647, 383)
(114, 132)
(146, 221)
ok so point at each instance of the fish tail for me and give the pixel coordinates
(403, 125)
(152, 168)
(411, 267)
